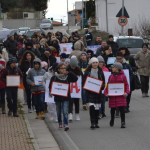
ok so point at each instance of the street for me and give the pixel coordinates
(135, 137)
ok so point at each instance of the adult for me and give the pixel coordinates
(142, 59)
(98, 40)
(100, 50)
(113, 44)
(88, 37)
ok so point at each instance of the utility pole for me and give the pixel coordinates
(68, 17)
(85, 8)
(106, 16)
(0, 17)
(82, 15)
(122, 15)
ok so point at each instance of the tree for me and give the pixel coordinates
(90, 9)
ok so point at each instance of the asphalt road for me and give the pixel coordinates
(135, 137)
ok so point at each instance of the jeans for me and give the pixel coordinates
(76, 102)
(83, 96)
(62, 107)
(102, 108)
(144, 83)
(12, 98)
(39, 102)
(2, 96)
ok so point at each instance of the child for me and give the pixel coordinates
(11, 92)
(2, 86)
(102, 66)
(37, 90)
(47, 76)
(73, 67)
(63, 57)
(62, 76)
(118, 101)
(93, 98)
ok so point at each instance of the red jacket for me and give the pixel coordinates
(2, 84)
(117, 101)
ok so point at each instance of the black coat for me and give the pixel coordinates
(12, 47)
(114, 47)
(91, 96)
(71, 78)
(51, 58)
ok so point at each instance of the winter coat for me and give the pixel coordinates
(114, 47)
(51, 58)
(91, 96)
(105, 69)
(4, 55)
(117, 101)
(71, 77)
(12, 47)
(143, 60)
(2, 84)
(100, 51)
(35, 72)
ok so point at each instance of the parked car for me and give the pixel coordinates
(46, 24)
(31, 32)
(22, 30)
(133, 43)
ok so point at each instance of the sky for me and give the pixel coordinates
(58, 9)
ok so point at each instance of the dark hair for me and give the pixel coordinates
(110, 36)
(59, 66)
(119, 54)
(106, 47)
(144, 44)
(127, 52)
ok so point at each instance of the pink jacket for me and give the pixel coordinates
(105, 69)
(117, 101)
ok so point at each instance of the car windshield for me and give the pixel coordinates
(46, 21)
(23, 29)
(30, 33)
(130, 43)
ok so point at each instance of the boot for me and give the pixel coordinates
(70, 117)
(92, 117)
(123, 125)
(42, 115)
(38, 116)
(96, 118)
(111, 122)
(3, 109)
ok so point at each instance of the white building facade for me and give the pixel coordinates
(138, 10)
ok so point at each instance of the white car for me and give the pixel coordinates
(46, 24)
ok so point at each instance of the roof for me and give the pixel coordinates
(57, 23)
(72, 11)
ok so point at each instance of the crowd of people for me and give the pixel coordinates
(36, 60)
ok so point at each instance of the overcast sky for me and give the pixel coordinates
(58, 9)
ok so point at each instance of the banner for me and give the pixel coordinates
(111, 60)
(76, 88)
(94, 48)
(66, 48)
(59, 89)
(93, 85)
(126, 73)
(38, 80)
(116, 89)
(48, 97)
(12, 80)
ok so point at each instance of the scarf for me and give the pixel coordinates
(94, 73)
(61, 76)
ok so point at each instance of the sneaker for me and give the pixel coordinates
(84, 107)
(146, 95)
(123, 125)
(103, 115)
(34, 108)
(111, 123)
(77, 117)
(25, 103)
(143, 95)
(29, 110)
(97, 126)
(92, 126)
(70, 117)
(60, 126)
(15, 115)
(66, 128)
(9, 113)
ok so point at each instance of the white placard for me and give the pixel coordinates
(66, 48)
(106, 75)
(94, 48)
(76, 89)
(60, 89)
(58, 60)
(48, 97)
(93, 85)
(111, 60)
(12, 80)
(38, 80)
(116, 89)
(126, 73)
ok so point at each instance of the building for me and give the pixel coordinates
(138, 11)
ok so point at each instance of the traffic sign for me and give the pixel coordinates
(125, 13)
(122, 21)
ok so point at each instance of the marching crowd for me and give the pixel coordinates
(35, 61)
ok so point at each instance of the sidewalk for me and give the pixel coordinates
(25, 132)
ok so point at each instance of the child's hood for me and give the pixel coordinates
(37, 60)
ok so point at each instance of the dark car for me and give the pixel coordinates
(133, 43)
(31, 32)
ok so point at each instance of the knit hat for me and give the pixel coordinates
(12, 60)
(73, 61)
(63, 55)
(117, 65)
(84, 53)
(44, 63)
(100, 59)
(93, 59)
(67, 60)
(2, 61)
